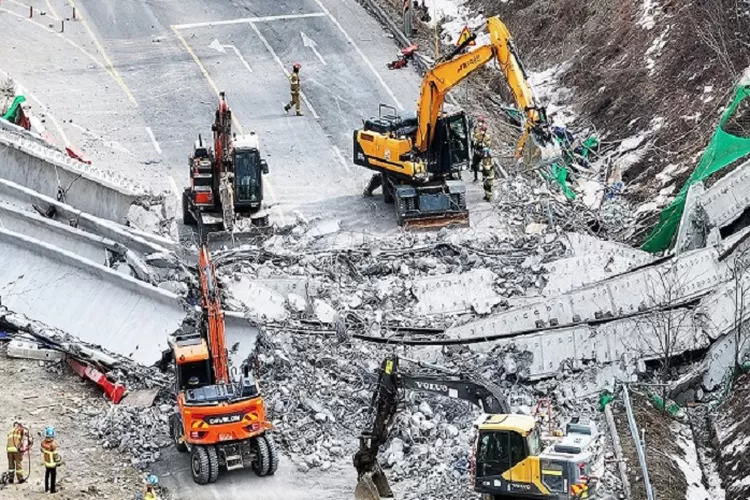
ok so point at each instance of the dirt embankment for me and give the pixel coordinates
(38, 398)
(733, 435)
(665, 475)
(638, 65)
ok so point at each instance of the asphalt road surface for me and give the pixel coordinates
(175, 55)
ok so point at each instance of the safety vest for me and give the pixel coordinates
(49, 453)
(15, 440)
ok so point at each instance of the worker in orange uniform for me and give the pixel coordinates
(51, 458)
(19, 441)
(295, 89)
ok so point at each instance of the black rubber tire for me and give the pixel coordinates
(273, 454)
(262, 457)
(387, 190)
(187, 215)
(200, 465)
(176, 431)
(213, 464)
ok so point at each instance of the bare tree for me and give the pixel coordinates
(666, 329)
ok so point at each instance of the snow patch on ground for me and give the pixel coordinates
(649, 11)
(690, 466)
(654, 51)
(547, 88)
(633, 148)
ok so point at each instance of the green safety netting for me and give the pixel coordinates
(14, 108)
(730, 142)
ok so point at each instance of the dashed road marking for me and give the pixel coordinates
(248, 20)
(115, 74)
(341, 157)
(361, 54)
(283, 68)
(153, 139)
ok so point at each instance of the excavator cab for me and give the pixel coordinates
(451, 148)
(249, 168)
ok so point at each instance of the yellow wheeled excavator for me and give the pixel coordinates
(419, 158)
(508, 461)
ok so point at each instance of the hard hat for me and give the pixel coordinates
(297, 66)
(49, 432)
(152, 480)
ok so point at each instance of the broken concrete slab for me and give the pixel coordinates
(456, 293)
(86, 245)
(28, 349)
(45, 169)
(241, 337)
(588, 267)
(676, 280)
(259, 302)
(142, 398)
(304, 287)
(22, 197)
(87, 300)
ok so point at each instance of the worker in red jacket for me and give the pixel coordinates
(18, 443)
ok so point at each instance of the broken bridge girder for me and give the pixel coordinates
(87, 300)
(677, 280)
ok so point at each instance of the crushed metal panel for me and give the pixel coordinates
(89, 301)
(456, 293)
(729, 197)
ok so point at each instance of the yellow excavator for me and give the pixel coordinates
(419, 158)
(508, 461)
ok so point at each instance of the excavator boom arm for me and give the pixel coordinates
(446, 75)
(215, 316)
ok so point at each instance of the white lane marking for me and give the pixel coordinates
(153, 139)
(244, 62)
(219, 47)
(341, 157)
(309, 42)
(173, 184)
(361, 54)
(248, 20)
(283, 68)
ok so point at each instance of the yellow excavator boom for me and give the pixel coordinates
(446, 75)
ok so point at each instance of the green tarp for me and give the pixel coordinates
(11, 114)
(730, 142)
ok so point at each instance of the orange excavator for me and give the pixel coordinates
(221, 422)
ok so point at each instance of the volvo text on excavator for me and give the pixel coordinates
(508, 462)
(419, 158)
(226, 179)
(221, 422)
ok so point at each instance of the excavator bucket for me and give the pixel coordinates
(538, 153)
(217, 240)
(373, 485)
